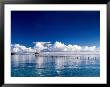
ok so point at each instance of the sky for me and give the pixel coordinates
(68, 27)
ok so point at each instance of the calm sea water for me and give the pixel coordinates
(65, 66)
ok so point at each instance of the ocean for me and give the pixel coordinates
(55, 66)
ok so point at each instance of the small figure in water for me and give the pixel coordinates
(88, 58)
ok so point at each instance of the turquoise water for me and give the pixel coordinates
(64, 66)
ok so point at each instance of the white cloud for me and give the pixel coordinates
(41, 45)
(20, 48)
(48, 46)
(92, 48)
(73, 47)
(59, 45)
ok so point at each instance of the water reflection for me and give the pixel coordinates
(77, 65)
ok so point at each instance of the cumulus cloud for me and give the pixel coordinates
(20, 48)
(59, 46)
(48, 46)
(41, 45)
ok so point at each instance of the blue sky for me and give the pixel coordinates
(69, 27)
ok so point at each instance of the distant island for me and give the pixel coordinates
(56, 53)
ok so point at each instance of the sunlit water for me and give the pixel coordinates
(64, 66)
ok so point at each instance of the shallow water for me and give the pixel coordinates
(64, 66)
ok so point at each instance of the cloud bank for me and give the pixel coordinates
(48, 46)
(17, 48)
